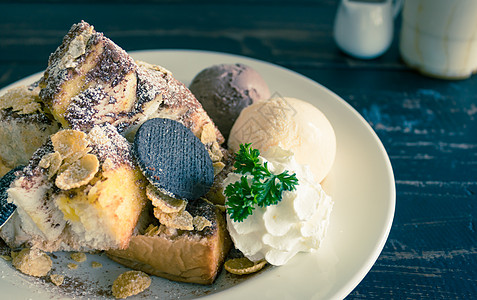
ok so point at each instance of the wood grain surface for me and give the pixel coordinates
(428, 126)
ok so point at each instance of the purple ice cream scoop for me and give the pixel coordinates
(224, 90)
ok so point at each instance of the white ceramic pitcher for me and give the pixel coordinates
(364, 28)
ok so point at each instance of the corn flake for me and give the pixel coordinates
(200, 223)
(78, 173)
(243, 266)
(152, 230)
(163, 202)
(6, 257)
(32, 262)
(130, 283)
(181, 220)
(21, 100)
(208, 134)
(69, 141)
(218, 167)
(57, 279)
(215, 152)
(77, 155)
(52, 162)
(78, 257)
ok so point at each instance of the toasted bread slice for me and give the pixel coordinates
(24, 126)
(90, 80)
(160, 95)
(180, 255)
(75, 204)
(88, 73)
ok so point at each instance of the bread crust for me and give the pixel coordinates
(188, 256)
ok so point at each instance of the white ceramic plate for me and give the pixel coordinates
(361, 183)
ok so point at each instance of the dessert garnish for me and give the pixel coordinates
(296, 223)
(263, 188)
(173, 159)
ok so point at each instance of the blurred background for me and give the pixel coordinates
(295, 34)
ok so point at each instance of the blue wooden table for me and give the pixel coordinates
(428, 126)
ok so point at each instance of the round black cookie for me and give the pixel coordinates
(173, 159)
(7, 209)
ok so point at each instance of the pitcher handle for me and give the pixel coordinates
(397, 5)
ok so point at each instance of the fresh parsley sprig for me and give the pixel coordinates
(264, 189)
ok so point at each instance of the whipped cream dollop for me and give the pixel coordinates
(298, 223)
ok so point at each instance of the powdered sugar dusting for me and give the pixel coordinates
(87, 282)
(32, 168)
(89, 108)
(109, 145)
(64, 59)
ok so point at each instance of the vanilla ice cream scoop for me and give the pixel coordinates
(292, 124)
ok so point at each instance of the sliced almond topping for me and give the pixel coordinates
(69, 141)
(181, 220)
(242, 266)
(163, 202)
(200, 223)
(78, 173)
